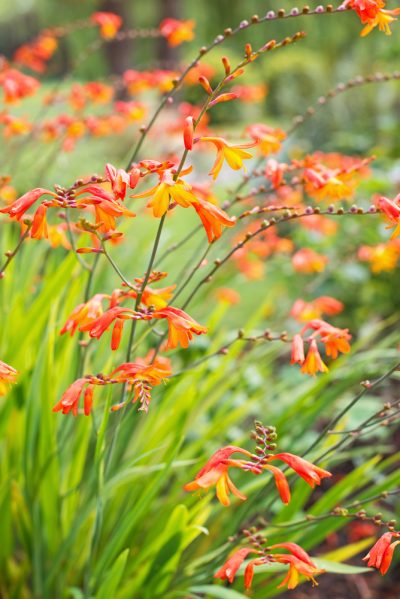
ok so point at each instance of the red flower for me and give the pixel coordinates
(313, 362)
(381, 554)
(84, 314)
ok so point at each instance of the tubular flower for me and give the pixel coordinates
(298, 560)
(84, 314)
(234, 155)
(313, 362)
(181, 326)
(69, 402)
(381, 554)
(108, 22)
(373, 14)
(336, 340)
(142, 376)
(269, 140)
(296, 566)
(176, 32)
(213, 219)
(215, 472)
(177, 190)
(391, 209)
(18, 208)
(8, 375)
(308, 471)
(232, 565)
(117, 315)
(120, 180)
(297, 356)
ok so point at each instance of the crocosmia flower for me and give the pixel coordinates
(109, 24)
(176, 32)
(215, 473)
(381, 554)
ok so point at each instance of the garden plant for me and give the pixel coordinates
(199, 350)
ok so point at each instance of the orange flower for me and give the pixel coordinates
(269, 140)
(298, 560)
(232, 565)
(382, 257)
(118, 315)
(391, 209)
(336, 340)
(84, 314)
(308, 471)
(158, 298)
(108, 22)
(181, 326)
(296, 567)
(215, 472)
(179, 191)
(70, 399)
(313, 362)
(176, 32)
(381, 554)
(213, 218)
(372, 13)
(326, 184)
(308, 261)
(304, 311)
(227, 296)
(8, 375)
(18, 208)
(120, 180)
(234, 155)
(17, 85)
(297, 350)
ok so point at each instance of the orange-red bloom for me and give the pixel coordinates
(215, 472)
(308, 261)
(176, 32)
(308, 471)
(232, 565)
(213, 218)
(391, 209)
(84, 314)
(373, 13)
(313, 362)
(381, 554)
(8, 375)
(108, 22)
(181, 326)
